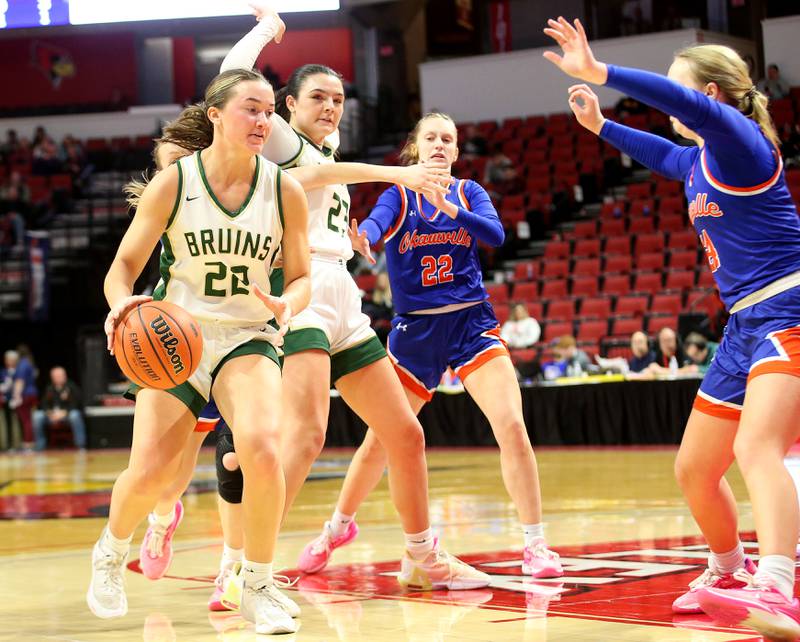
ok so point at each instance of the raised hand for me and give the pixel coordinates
(278, 306)
(360, 242)
(426, 177)
(584, 104)
(577, 60)
(264, 10)
(119, 312)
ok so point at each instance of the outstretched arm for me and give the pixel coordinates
(418, 177)
(656, 153)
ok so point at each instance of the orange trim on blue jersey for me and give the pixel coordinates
(787, 361)
(716, 409)
(430, 218)
(462, 196)
(742, 191)
(205, 425)
(401, 217)
(408, 380)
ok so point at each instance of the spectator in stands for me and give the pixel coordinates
(669, 355)
(475, 144)
(10, 434)
(10, 146)
(573, 360)
(379, 308)
(61, 403)
(44, 154)
(521, 330)
(773, 85)
(643, 356)
(73, 158)
(19, 389)
(15, 207)
(700, 352)
(501, 175)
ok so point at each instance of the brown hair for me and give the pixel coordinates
(409, 155)
(723, 66)
(192, 130)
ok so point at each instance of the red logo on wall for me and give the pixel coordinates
(54, 62)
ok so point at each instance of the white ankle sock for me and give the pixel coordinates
(163, 520)
(256, 574)
(339, 523)
(532, 532)
(230, 556)
(419, 545)
(781, 570)
(119, 546)
(722, 563)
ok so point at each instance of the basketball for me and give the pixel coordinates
(158, 345)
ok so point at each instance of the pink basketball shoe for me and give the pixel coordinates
(155, 555)
(540, 562)
(759, 605)
(687, 603)
(316, 554)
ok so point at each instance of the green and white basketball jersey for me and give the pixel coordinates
(328, 207)
(211, 257)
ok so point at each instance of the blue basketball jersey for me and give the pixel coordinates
(432, 259)
(751, 236)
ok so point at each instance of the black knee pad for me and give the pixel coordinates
(229, 482)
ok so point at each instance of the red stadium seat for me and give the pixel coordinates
(613, 209)
(617, 264)
(556, 329)
(553, 288)
(584, 286)
(631, 306)
(555, 268)
(686, 240)
(586, 248)
(366, 282)
(669, 304)
(612, 227)
(626, 327)
(561, 310)
(527, 291)
(642, 226)
(526, 271)
(586, 267)
(647, 283)
(535, 309)
(514, 202)
(668, 188)
(585, 230)
(639, 208)
(616, 285)
(502, 311)
(618, 245)
(656, 323)
(651, 262)
(596, 308)
(649, 243)
(525, 355)
(498, 292)
(672, 205)
(683, 260)
(706, 278)
(680, 280)
(592, 330)
(639, 191)
(557, 250)
(671, 223)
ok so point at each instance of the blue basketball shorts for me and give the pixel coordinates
(209, 417)
(760, 339)
(422, 346)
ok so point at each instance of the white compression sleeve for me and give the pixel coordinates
(244, 53)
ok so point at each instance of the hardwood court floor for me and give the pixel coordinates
(627, 542)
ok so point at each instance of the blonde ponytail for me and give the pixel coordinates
(726, 68)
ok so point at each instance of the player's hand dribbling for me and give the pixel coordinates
(578, 60)
(265, 11)
(360, 242)
(585, 105)
(278, 306)
(119, 312)
(426, 177)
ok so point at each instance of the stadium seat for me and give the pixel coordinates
(592, 330)
(586, 267)
(647, 283)
(672, 205)
(625, 327)
(526, 291)
(639, 191)
(683, 260)
(631, 306)
(618, 264)
(502, 311)
(555, 268)
(586, 248)
(585, 230)
(651, 261)
(612, 227)
(618, 245)
(535, 309)
(671, 223)
(595, 308)
(706, 279)
(584, 286)
(557, 250)
(561, 310)
(616, 285)
(366, 282)
(642, 207)
(685, 240)
(669, 304)
(649, 243)
(556, 329)
(526, 271)
(656, 323)
(680, 280)
(553, 288)
(498, 292)
(641, 226)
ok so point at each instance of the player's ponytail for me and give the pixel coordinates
(409, 155)
(723, 66)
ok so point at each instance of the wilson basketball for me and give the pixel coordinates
(158, 345)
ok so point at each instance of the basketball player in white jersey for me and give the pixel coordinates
(222, 215)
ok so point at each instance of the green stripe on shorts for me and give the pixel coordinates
(356, 357)
(304, 339)
(254, 346)
(185, 392)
